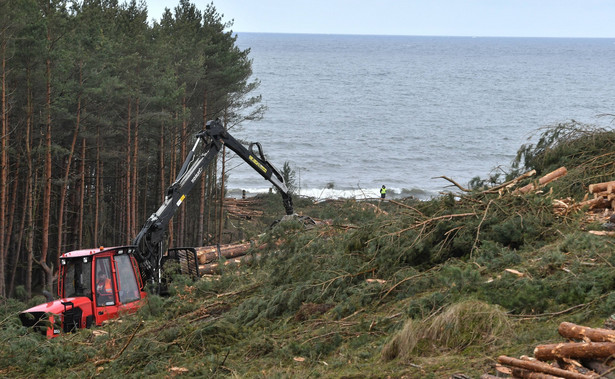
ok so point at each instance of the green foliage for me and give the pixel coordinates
(439, 283)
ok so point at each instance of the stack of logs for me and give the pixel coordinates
(602, 199)
(242, 208)
(210, 256)
(604, 195)
(585, 355)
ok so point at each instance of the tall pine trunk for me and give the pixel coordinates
(46, 211)
(67, 174)
(128, 205)
(135, 158)
(201, 223)
(81, 195)
(3, 169)
(181, 232)
(98, 189)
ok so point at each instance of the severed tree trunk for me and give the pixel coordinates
(580, 350)
(602, 187)
(553, 175)
(210, 253)
(570, 330)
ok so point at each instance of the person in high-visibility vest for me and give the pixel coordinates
(104, 286)
(383, 192)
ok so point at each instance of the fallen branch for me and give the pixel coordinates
(406, 206)
(116, 356)
(454, 182)
(510, 183)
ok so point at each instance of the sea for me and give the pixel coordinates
(350, 113)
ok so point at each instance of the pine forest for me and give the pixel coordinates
(99, 107)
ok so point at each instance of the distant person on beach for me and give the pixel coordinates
(383, 192)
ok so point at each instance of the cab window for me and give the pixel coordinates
(105, 295)
(127, 283)
(77, 274)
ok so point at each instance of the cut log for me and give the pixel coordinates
(602, 232)
(570, 330)
(210, 253)
(540, 367)
(601, 187)
(596, 203)
(580, 350)
(216, 268)
(553, 175)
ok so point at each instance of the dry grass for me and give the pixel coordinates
(462, 324)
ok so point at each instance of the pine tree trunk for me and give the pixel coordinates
(46, 211)
(9, 232)
(221, 217)
(201, 224)
(21, 232)
(81, 196)
(29, 203)
(181, 235)
(162, 164)
(171, 178)
(128, 205)
(3, 175)
(135, 158)
(67, 174)
(98, 188)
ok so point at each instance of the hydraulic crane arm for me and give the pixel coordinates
(149, 240)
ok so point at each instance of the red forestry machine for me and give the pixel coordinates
(95, 285)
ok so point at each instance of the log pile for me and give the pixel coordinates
(586, 354)
(243, 208)
(600, 199)
(210, 257)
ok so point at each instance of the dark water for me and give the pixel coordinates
(354, 112)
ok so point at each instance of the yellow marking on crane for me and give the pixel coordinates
(258, 164)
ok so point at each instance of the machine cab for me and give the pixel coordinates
(94, 285)
(110, 278)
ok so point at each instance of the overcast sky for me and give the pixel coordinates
(510, 18)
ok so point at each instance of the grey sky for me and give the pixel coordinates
(514, 18)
